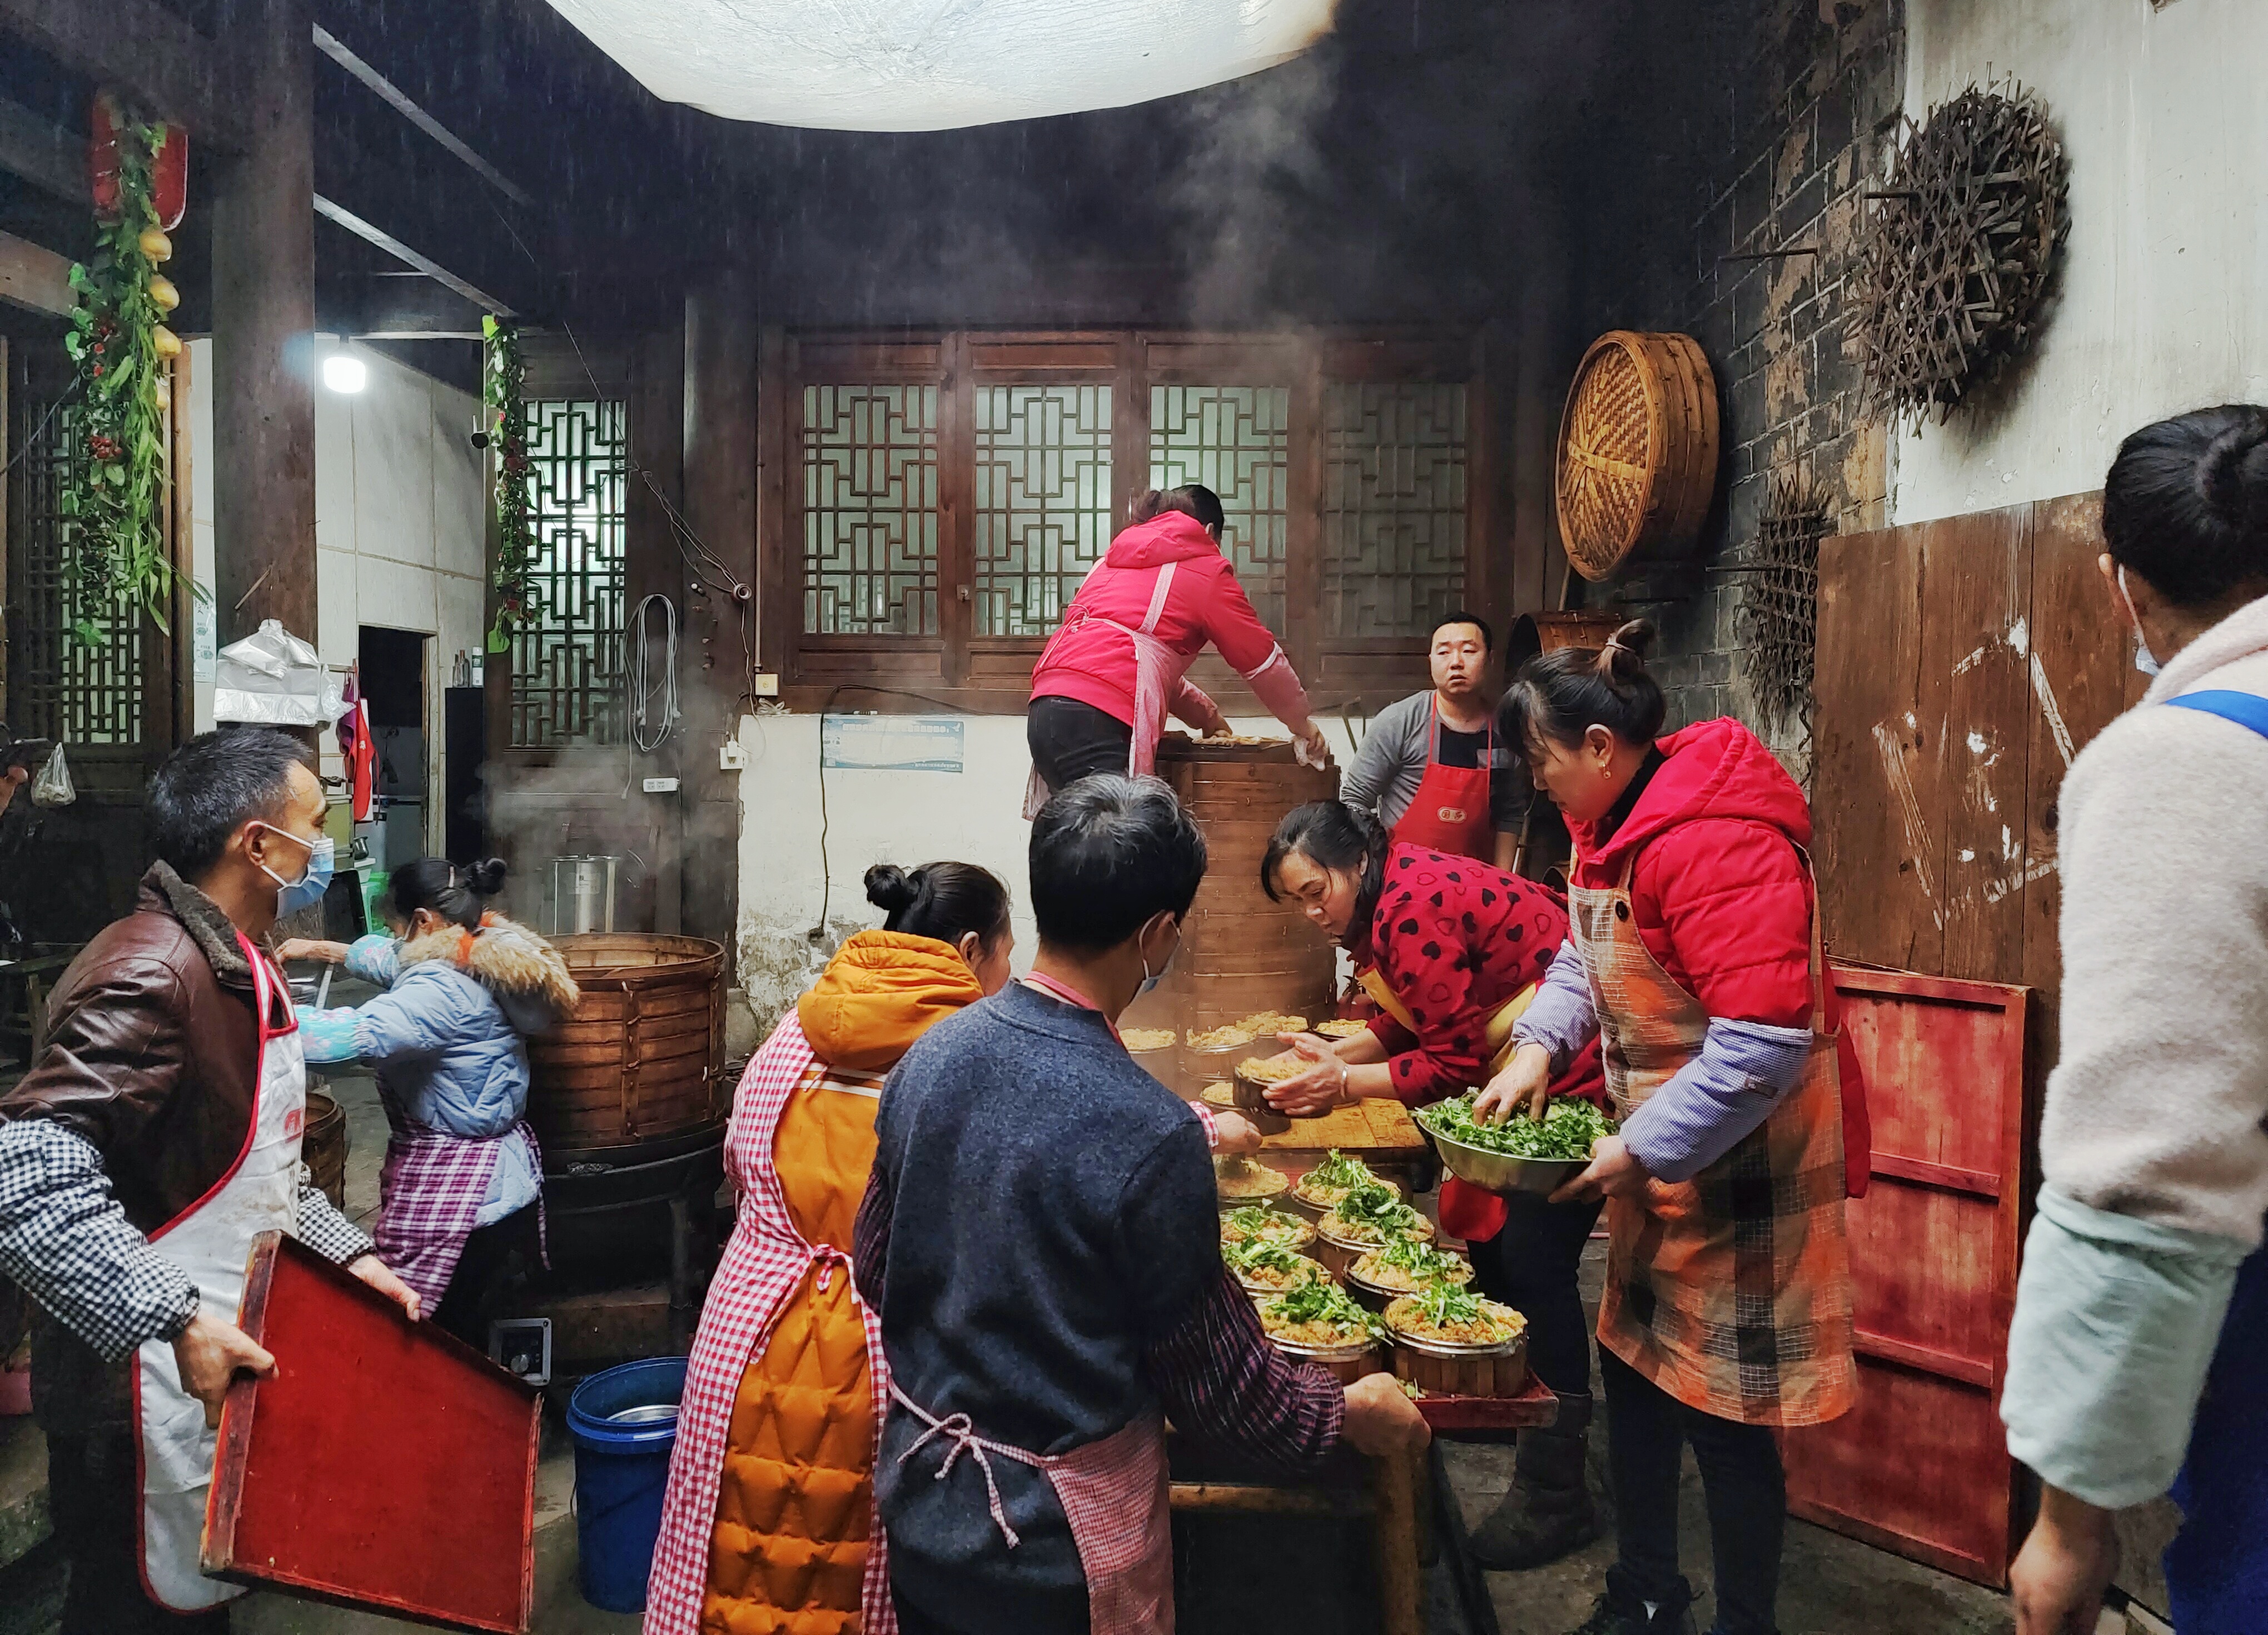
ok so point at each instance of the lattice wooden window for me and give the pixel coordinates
(1043, 501)
(1236, 440)
(869, 510)
(567, 674)
(56, 688)
(1394, 507)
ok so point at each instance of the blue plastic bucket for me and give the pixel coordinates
(622, 1438)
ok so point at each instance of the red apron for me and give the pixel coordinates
(1450, 812)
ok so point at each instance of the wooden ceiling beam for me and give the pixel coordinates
(402, 103)
(46, 155)
(369, 234)
(35, 276)
(144, 50)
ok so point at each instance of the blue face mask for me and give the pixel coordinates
(291, 895)
(1150, 982)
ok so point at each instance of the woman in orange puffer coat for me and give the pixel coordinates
(769, 1518)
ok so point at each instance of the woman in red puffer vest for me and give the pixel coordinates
(1113, 670)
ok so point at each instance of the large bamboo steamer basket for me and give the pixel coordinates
(323, 1146)
(1240, 953)
(642, 1059)
(1637, 468)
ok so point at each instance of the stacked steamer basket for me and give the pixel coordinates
(1240, 954)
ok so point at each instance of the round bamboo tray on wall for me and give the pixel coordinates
(1240, 953)
(642, 1059)
(1638, 452)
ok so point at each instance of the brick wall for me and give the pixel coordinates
(1806, 115)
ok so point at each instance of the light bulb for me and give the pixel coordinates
(342, 372)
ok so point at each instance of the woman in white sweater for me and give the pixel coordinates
(2139, 1359)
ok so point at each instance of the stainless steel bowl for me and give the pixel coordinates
(1501, 1172)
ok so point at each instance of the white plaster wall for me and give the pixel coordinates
(906, 818)
(2164, 303)
(399, 515)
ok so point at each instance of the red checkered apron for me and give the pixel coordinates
(1731, 1292)
(762, 1267)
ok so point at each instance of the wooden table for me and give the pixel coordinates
(1377, 1129)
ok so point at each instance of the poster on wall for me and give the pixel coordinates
(892, 743)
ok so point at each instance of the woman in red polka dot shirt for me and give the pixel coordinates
(1459, 948)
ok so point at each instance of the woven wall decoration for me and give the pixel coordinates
(1957, 253)
(1776, 622)
(1638, 452)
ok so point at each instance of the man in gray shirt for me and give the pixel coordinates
(1432, 769)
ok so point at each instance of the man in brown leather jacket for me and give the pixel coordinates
(167, 1106)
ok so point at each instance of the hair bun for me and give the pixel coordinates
(485, 877)
(1623, 657)
(2234, 473)
(890, 888)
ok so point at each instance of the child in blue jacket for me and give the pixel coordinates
(462, 1184)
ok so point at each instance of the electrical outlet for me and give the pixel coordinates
(767, 685)
(731, 757)
(661, 786)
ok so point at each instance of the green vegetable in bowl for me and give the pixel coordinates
(1375, 1211)
(1258, 1222)
(1258, 1255)
(1569, 1130)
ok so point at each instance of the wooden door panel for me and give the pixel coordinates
(1920, 1465)
(1880, 1473)
(1931, 1278)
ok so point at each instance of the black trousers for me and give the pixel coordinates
(1070, 741)
(1742, 1481)
(1531, 1266)
(494, 1264)
(94, 1499)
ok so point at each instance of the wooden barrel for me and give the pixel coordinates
(1240, 953)
(323, 1148)
(644, 1057)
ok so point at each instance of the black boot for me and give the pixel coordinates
(1548, 1513)
(1621, 1610)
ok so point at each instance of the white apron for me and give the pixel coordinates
(210, 1240)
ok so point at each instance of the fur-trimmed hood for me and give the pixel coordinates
(525, 974)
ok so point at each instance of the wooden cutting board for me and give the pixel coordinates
(1378, 1129)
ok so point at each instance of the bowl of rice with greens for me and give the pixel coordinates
(1520, 1154)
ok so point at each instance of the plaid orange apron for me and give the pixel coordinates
(1731, 1292)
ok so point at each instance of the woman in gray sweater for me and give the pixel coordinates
(2139, 1358)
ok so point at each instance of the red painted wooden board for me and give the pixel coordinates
(1448, 1415)
(1919, 1466)
(385, 1466)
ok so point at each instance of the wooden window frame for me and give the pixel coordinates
(958, 670)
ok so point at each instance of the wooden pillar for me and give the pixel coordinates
(721, 509)
(263, 304)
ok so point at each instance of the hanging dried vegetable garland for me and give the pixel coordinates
(112, 502)
(506, 397)
(1957, 255)
(1777, 617)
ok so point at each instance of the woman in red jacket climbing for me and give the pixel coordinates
(1454, 951)
(1695, 960)
(1112, 672)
